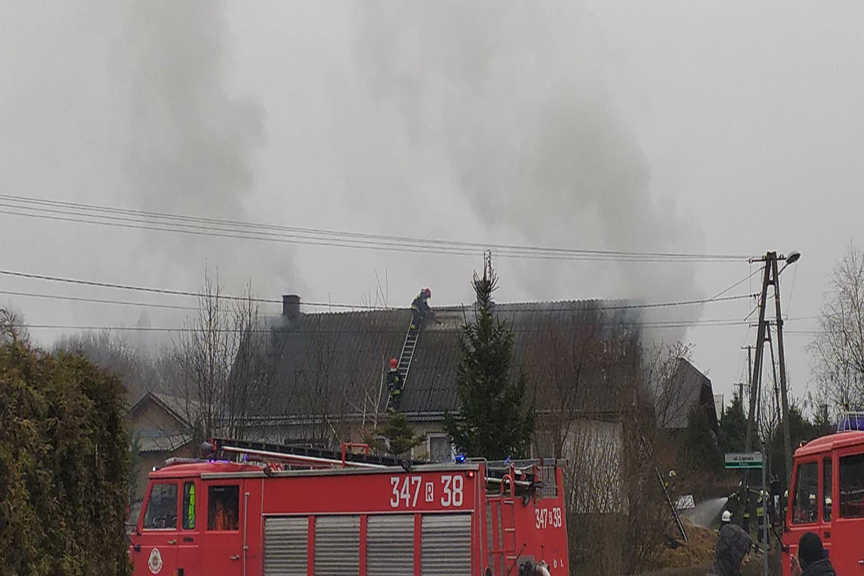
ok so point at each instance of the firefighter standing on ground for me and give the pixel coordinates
(760, 517)
(733, 544)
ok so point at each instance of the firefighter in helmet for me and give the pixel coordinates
(420, 309)
(733, 544)
(760, 516)
(394, 384)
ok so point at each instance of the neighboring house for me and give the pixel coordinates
(688, 390)
(159, 428)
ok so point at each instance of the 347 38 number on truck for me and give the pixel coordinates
(290, 516)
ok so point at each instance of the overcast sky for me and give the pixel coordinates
(722, 127)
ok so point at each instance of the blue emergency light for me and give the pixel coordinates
(851, 421)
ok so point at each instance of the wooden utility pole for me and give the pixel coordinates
(749, 349)
(784, 396)
(771, 277)
(757, 366)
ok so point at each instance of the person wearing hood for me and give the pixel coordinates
(733, 544)
(812, 559)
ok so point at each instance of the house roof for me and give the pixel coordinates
(688, 389)
(174, 406)
(336, 362)
(163, 443)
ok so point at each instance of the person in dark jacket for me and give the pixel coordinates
(733, 544)
(811, 560)
(420, 309)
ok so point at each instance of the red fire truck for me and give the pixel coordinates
(827, 497)
(261, 510)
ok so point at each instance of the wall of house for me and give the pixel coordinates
(150, 418)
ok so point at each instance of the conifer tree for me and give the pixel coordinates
(493, 419)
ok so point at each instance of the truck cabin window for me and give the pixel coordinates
(162, 508)
(826, 490)
(223, 507)
(189, 506)
(852, 486)
(806, 487)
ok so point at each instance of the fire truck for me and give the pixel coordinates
(253, 509)
(827, 497)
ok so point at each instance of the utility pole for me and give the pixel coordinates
(784, 396)
(749, 349)
(771, 277)
(757, 367)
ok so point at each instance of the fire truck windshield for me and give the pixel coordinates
(162, 507)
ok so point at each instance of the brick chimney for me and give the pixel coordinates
(291, 307)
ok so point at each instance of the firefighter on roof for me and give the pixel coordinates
(394, 384)
(420, 309)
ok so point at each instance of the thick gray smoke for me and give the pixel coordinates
(512, 96)
(189, 142)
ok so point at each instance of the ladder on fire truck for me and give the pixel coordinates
(412, 336)
(509, 478)
(302, 457)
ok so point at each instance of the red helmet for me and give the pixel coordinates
(393, 363)
(427, 292)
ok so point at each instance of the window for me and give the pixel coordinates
(189, 506)
(223, 508)
(852, 486)
(826, 490)
(806, 486)
(439, 448)
(162, 508)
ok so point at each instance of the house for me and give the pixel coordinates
(688, 390)
(159, 430)
(327, 372)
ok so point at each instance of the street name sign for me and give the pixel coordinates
(743, 460)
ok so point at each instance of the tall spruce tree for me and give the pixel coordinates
(493, 420)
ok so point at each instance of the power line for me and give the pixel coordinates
(164, 221)
(170, 292)
(515, 307)
(165, 291)
(368, 331)
(96, 300)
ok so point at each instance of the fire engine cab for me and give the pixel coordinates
(827, 497)
(255, 509)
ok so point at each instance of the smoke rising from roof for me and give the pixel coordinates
(511, 98)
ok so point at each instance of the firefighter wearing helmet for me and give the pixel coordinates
(733, 544)
(394, 385)
(420, 309)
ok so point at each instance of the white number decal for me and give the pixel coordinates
(451, 490)
(404, 491)
(457, 490)
(394, 483)
(546, 518)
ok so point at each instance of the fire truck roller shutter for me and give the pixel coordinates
(285, 546)
(337, 545)
(390, 545)
(446, 545)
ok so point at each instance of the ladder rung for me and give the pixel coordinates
(509, 529)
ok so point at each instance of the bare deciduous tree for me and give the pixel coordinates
(215, 369)
(838, 351)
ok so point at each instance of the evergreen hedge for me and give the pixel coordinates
(63, 465)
